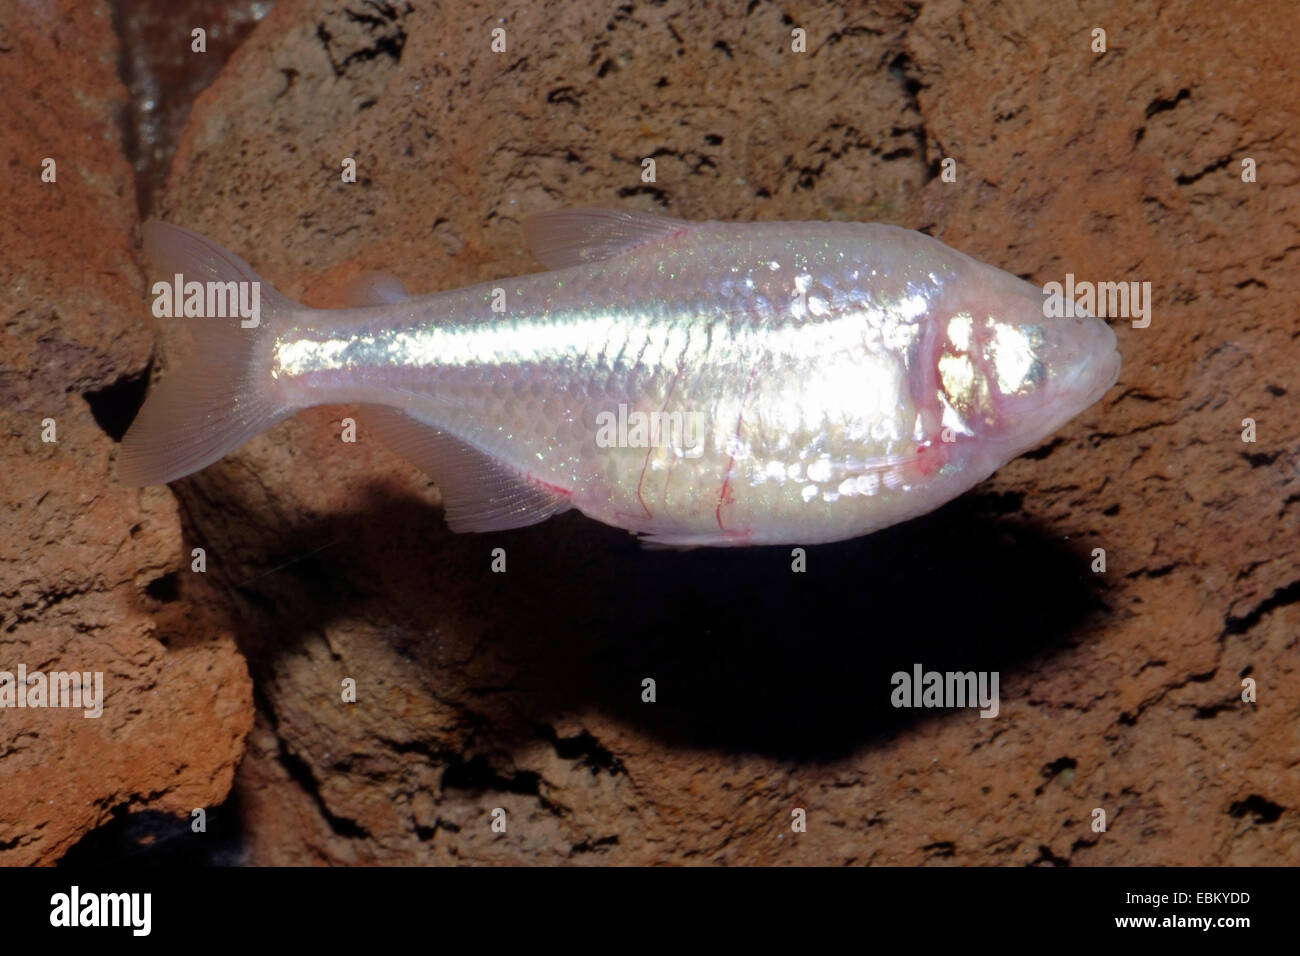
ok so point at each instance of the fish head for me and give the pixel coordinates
(1013, 368)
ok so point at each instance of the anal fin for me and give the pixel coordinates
(689, 540)
(478, 492)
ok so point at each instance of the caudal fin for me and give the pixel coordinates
(224, 394)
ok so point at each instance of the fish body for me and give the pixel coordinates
(696, 383)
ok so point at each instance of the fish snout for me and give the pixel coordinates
(1047, 371)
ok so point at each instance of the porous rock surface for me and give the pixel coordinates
(88, 568)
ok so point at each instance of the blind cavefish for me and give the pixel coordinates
(696, 383)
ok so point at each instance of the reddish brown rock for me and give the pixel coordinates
(89, 570)
(1120, 691)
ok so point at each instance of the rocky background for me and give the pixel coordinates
(1121, 690)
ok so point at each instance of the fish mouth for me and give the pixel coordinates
(1087, 382)
(1110, 368)
(1093, 368)
(1102, 372)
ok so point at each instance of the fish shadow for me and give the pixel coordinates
(746, 654)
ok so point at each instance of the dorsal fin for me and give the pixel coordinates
(571, 237)
(478, 492)
(374, 288)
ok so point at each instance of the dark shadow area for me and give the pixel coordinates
(115, 406)
(746, 655)
(149, 838)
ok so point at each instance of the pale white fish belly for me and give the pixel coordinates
(738, 384)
